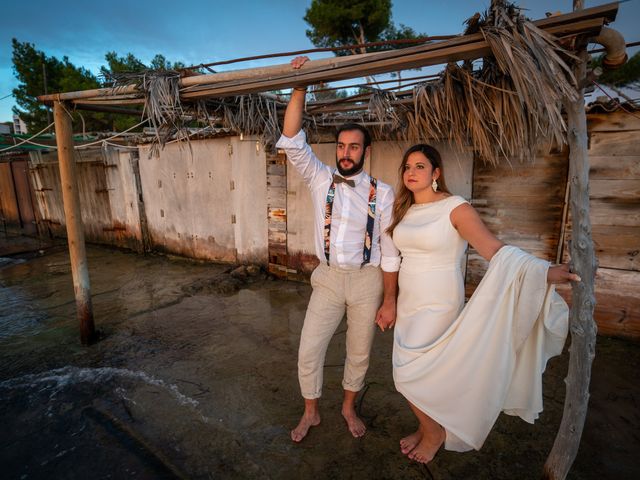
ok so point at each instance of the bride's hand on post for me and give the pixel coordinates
(561, 274)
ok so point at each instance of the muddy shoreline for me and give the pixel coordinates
(195, 379)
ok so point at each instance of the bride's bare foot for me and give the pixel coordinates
(306, 422)
(427, 448)
(356, 426)
(409, 442)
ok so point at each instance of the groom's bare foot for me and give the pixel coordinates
(410, 442)
(306, 422)
(356, 426)
(428, 446)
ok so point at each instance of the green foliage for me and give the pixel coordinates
(115, 64)
(627, 76)
(129, 63)
(159, 62)
(335, 23)
(319, 92)
(31, 66)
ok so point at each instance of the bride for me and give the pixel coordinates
(460, 367)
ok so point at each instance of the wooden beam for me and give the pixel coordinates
(110, 101)
(92, 107)
(608, 11)
(361, 65)
(581, 323)
(73, 220)
(93, 93)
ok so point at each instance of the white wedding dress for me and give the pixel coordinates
(463, 366)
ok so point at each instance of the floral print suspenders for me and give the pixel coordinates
(371, 216)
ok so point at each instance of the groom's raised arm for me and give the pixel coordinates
(295, 108)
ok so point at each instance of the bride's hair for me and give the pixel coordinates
(404, 197)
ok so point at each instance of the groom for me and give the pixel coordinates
(359, 263)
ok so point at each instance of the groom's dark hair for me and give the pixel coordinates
(347, 127)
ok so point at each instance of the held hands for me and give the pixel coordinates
(386, 316)
(561, 274)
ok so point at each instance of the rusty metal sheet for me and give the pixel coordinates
(8, 202)
(23, 190)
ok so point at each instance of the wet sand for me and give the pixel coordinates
(194, 377)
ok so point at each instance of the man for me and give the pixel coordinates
(352, 211)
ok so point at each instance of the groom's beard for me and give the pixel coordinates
(352, 169)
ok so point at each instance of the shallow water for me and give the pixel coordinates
(193, 381)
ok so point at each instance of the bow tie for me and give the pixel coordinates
(338, 179)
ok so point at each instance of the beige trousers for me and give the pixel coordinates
(336, 290)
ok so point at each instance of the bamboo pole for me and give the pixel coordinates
(73, 219)
(581, 323)
(93, 93)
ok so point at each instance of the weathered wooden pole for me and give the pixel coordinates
(73, 218)
(581, 323)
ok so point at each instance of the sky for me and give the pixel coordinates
(196, 32)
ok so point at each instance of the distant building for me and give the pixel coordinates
(4, 128)
(19, 126)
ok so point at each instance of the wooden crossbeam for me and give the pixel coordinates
(468, 47)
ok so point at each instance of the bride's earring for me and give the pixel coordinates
(434, 185)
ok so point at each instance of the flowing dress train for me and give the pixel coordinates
(464, 364)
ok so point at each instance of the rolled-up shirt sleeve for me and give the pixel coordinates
(389, 254)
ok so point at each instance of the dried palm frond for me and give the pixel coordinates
(162, 104)
(164, 108)
(391, 118)
(251, 115)
(511, 106)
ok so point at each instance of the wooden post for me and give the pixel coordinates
(581, 323)
(73, 218)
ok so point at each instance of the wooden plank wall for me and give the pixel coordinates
(277, 212)
(614, 153)
(522, 203)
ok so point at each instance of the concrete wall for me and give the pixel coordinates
(207, 200)
(249, 175)
(123, 194)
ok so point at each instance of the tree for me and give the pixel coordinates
(129, 63)
(40, 74)
(335, 23)
(322, 91)
(115, 64)
(159, 62)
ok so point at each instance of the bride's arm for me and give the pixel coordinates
(470, 226)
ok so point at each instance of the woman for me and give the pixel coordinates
(459, 368)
